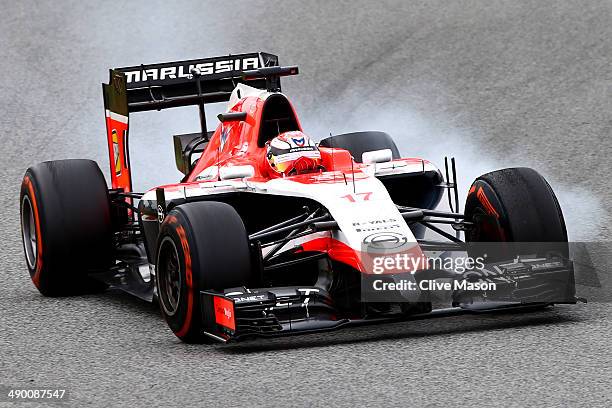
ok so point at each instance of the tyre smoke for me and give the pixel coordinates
(418, 136)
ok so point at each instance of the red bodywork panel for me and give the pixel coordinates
(235, 143)
(117, 135)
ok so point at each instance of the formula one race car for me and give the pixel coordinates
(269, 233)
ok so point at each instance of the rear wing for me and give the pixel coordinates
(161, 86)
(175, 84)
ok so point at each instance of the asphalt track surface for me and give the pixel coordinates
(497, 83)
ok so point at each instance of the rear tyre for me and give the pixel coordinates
(66, 226)
(201, 246)
(359, 142)
(515, 205)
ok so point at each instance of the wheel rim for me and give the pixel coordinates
(28, 231)
(488, 229)
(169, 276)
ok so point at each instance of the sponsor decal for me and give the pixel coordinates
(208, 174)
(160, 214)
(376, 225)
(118, 84)
(116, 152)
(224, 313)
(243, 149)
(224, 136)
(184, 70)
(252, 298)
(299, 142)
(385, 240)
(306, 292)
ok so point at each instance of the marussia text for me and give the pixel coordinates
(184, 71)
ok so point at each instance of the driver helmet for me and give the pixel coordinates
(293, 153)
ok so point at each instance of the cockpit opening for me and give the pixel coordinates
(277, 117)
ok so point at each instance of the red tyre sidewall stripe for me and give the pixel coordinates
(489, 208)
(188, 280)
(39, 250)
(482, 197)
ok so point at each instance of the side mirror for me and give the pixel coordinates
(377, 156)
(232, 116)
(234, 172)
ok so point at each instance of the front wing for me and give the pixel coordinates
(267, 312)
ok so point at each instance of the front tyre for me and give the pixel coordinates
(201, 246)
(517, 211)
(522, 205)
(515, 205)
